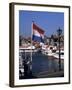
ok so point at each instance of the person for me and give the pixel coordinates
(20, 73)
(25, 68)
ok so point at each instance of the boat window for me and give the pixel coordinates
(62, 53)
(57, 53)
(51, 47)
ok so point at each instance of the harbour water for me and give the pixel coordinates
(44, 65)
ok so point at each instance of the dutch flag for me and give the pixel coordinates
(38, 34)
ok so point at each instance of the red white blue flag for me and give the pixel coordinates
(38, 34)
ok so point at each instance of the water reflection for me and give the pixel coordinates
(40, 64)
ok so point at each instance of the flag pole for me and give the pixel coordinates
(31, 48)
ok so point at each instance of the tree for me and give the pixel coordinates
(20, 40)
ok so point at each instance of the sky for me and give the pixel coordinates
(48, 21)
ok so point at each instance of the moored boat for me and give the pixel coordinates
(56, 55)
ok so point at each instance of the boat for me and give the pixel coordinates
(56, 55)
(48, 51)
(27, 49)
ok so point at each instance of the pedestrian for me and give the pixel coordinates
(25, 68)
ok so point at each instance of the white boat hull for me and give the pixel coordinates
(57, 56)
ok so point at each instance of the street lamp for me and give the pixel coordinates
(59, 32)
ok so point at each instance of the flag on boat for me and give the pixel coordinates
(38, 33)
